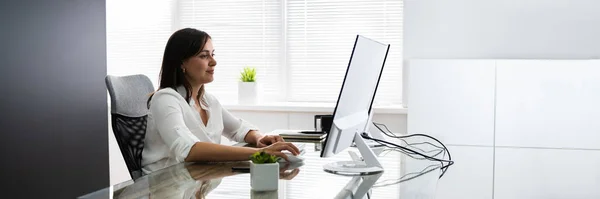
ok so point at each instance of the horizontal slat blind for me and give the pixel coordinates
(245, 33)
(301, 48)
(137, 32)
(320, 37)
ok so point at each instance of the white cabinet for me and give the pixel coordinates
(541, 117)
(524, 173)
(548, 103)
(471, 176)
(452, 100)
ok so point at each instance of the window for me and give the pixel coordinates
(245, 33)
(300, 48)
(136, 36)
(320, 37)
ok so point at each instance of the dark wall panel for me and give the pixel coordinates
(54, 140)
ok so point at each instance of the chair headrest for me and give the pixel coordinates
(129, 94)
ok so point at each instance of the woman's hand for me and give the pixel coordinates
(268, 140)
(276, 148)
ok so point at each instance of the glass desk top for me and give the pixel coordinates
(404, 177)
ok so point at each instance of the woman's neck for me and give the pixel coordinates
(195, 90)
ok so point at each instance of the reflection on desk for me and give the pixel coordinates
(404, 177)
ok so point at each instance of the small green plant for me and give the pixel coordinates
(248, 74)
(261, 157)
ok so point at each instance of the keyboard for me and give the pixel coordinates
(300, 134)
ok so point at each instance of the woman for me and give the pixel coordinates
(185, 123)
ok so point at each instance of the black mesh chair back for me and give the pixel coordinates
(130, 133)
(129, 112)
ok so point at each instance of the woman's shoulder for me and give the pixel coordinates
(211, 99)
(167, 94)
(167, 91)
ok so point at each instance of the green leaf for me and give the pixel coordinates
(248, 74)
(263, 158)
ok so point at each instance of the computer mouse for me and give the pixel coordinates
(291, 157)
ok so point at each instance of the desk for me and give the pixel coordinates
(404, 177)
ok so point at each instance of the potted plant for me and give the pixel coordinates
(247, 87)
(264, 172)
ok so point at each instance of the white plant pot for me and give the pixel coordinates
(264, 177)
(247, 92)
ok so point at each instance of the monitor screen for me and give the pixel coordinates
(357, 94)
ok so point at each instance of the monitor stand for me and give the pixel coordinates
(368, 165)
(372, 144)
(359, 187)
(374, 134)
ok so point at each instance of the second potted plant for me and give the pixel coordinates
(247, 87)
(264, 172)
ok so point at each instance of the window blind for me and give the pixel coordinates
(137, 32)
(244, 33)
(300, 48)
(320, 37)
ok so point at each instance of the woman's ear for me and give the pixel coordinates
(182, 66)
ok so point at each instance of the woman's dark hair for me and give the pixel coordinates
(182, 45)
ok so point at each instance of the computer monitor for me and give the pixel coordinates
(351, 117)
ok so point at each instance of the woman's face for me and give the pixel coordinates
(200, 69)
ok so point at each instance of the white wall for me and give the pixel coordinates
(528, 29)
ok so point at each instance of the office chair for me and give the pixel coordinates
(128, 97)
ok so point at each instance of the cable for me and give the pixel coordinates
(410, 155)
(403, 148)
(394, 181)
(389, 133)
(401, 179)
(386, 143)
(408, 150)
(439, 150)
(436, 151)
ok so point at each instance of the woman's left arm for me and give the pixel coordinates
(237, 129)
(253, 137)
(241, 131)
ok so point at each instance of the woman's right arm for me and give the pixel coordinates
(211, 152)
(168, 116)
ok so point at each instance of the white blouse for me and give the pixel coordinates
(174, 126)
